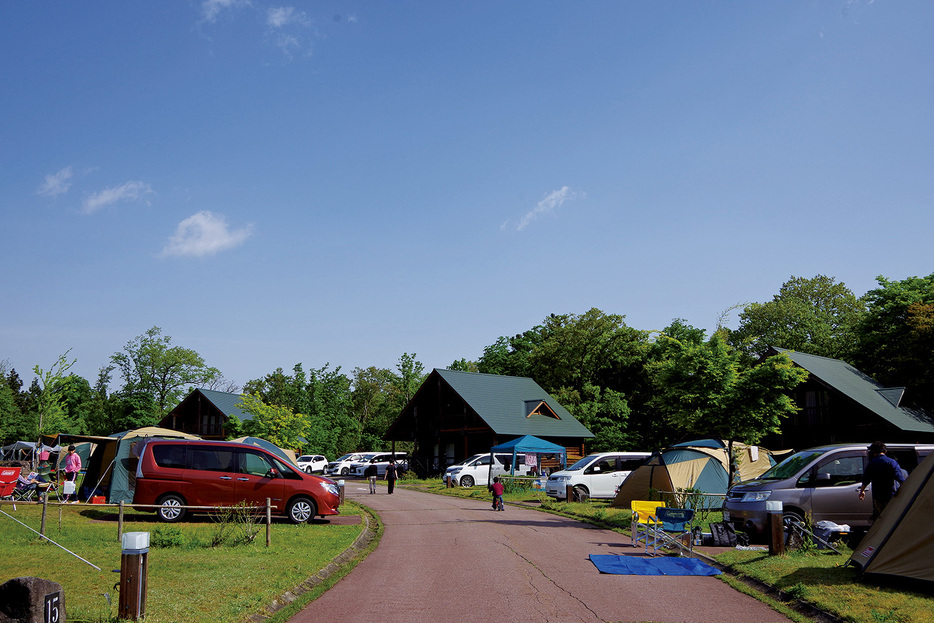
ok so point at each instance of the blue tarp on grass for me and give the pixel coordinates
(632, 565)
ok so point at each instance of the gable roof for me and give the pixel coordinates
(226, 403)
(864, 390)
(501, 402)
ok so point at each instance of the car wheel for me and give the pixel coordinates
(308, 470)
(466, 481)
(345, 471)
(579, 492)
(170, 508)
(301, 510)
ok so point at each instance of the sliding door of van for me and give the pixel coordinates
(211, 477)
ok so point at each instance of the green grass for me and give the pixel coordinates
(190, 582)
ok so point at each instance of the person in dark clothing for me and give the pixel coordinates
(370, 473)
(884, 474)
(391, 476)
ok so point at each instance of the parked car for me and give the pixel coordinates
(817, 484)
(177, 473)
(381, 460)
(596, 475)
(476, 470)
(341, 466)
(312, 463)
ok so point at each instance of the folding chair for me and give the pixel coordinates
(643, 518)
(670, 528)
(8, 476)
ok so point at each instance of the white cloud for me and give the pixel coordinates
(280, 17)
(204, 234)
(210, 9)
(56, 183)
(549, 204)
(131, 191)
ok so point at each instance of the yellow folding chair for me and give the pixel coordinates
(643, 521)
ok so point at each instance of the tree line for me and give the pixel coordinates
(633, 388)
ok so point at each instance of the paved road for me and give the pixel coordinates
(454, 560)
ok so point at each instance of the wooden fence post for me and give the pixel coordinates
(120, 523)
(45, 510)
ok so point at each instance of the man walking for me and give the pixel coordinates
(884, 474)
(370, 473)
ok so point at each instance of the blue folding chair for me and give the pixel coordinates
(670, 528)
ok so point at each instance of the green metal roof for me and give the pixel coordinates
(227, 404)
(864, 390)
(501, 401)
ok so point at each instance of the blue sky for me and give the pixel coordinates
(343, 182)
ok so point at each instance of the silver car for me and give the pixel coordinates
(817, 484)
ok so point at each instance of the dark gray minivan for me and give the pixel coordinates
(819, 484)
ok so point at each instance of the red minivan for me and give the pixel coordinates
(177, 473)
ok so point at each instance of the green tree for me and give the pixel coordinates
(706, 390)
(51, 416)
(817, 316)
(151, 365)
(17, 421)
(896, 340)
(274, 423)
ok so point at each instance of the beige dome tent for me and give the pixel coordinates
(701, 465)
(901, 542)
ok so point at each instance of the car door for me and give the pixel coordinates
(603, 477)
(212, 476)
(259, 479)
(834, 485)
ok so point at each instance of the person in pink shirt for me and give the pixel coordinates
(72, 468)
(497, 489)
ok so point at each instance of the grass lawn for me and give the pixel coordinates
(189, 580)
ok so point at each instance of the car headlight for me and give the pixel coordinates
(756, 496)
(331, 488)
(560, 478)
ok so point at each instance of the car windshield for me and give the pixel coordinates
(584, 462)
(304, 458)
(790, 466)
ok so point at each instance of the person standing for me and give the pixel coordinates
(884, 474)
(72, 469)
(370, 473)
(391, 476)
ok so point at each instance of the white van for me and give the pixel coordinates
(476, 469)
(341, 466)
(595, 475)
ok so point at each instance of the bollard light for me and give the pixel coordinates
(340, 487)
(134, 568)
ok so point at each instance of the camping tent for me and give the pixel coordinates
(529, 444)
(701, 465)
(111, 469)
(900, 542)
(287, 455)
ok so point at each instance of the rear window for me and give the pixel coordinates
(213, 459)
(169, 456)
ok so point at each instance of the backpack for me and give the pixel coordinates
(723, 534)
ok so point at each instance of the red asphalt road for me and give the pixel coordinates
(455, 560)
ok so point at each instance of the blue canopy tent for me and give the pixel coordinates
(527, 444)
